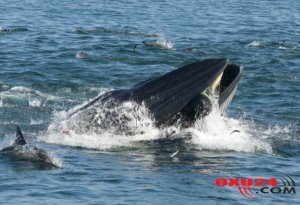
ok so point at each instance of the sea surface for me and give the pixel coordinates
(57, 55)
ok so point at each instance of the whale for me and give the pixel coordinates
(182, 95)
(21, 149)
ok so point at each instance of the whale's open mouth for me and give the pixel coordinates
(223, 87)
(181, 95)
(228, 85)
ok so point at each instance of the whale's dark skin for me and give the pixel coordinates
(177, 94)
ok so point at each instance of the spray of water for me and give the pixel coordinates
(164, 43)
(106, 125)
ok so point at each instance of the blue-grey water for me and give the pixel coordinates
(55, 55)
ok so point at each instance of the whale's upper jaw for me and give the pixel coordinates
(168, 94)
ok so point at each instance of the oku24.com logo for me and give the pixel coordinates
(250, 187)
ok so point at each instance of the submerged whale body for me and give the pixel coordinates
(182, 94)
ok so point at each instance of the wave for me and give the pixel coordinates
(297, 48)
(97, 30)
(33, 97)
(36, 122)
(22, 91)
(281, 45)
(116, 31)
(145, 34)
(38, 98)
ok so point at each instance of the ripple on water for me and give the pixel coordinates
(9, 30)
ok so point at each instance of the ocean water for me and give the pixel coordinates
(57, 55)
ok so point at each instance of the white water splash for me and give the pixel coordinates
(164, 43)
(34, 103)
(256, 44)
(212, 133)
(108, 131)
(215, 132)
(1, 103)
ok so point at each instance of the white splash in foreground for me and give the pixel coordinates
(108, 130)
(212, 133)
(215, 133)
